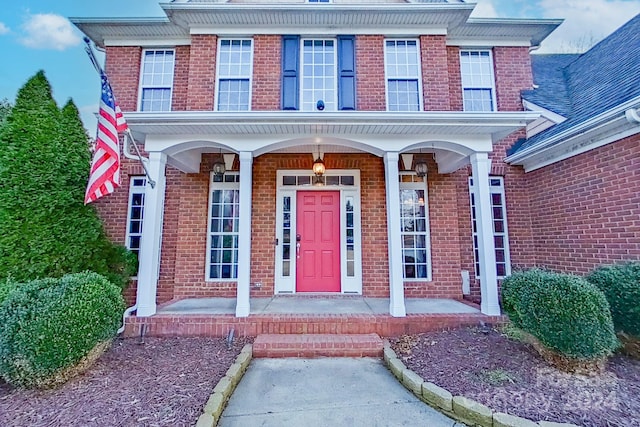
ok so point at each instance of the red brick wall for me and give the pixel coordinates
(123, 68)
(267, 66)
(180, 79)
(370, 73)
(435, 76)
(512, 67)
(586, 209)
(455, 78)
(202, 70)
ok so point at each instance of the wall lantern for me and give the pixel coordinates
(421, 168)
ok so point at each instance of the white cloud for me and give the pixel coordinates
(485, 9)
(49, 31)
(586, 22)
(3, 29)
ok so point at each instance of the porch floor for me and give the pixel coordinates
(320, 305)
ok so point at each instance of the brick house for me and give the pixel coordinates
(357, 148)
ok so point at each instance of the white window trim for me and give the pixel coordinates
(494, 101)
(348, 285)
(507, 250)
(141, 86)
(302, 75)
(386, 76)
(217, 88)
(419, 186)
(216, 186)
(134, 189)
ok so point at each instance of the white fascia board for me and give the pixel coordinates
(554, 117)
(405, 31)
(484, 43)
(150, 42)
(571, 148)
(584, 130)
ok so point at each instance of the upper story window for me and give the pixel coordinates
(235, 60)
(318, 76)
(478, 85)
(156, 82)
(316, 70)
(402, 69)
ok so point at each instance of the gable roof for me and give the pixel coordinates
(582, 87)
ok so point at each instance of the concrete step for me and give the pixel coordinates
(317, 345)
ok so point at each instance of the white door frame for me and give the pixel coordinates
(350, 270)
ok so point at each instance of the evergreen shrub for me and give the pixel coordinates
(50, 325)
(620, 284)
(565, 313)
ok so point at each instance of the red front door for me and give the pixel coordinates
(318, 233)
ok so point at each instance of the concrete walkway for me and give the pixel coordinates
(325, 392)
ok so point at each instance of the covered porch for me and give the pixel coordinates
(453, 140)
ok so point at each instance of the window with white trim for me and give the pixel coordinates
(135, 213)
(499, 220)
(224, 204)
(478, 84)
(319, 79)
(235, 62)
(402, 69)
(156, 81)
(414, 232)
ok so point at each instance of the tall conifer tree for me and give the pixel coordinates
(45, 229)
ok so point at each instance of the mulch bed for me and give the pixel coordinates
(509, 376)
(161, 382)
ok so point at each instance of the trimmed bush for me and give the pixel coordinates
(6, 287)
(565, 313)
(50, 325)
(620, 283)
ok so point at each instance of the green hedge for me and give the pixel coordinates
(50, 324)
(620, 283)
(565, 313)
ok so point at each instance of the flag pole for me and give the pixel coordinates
(99, 69)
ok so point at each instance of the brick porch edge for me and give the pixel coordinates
(460, 408)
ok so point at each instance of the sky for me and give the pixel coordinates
(37, 35)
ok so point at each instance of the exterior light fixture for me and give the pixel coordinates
(421, 168)
(318, 167)
(219, 167)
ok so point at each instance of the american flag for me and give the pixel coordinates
(105, 167)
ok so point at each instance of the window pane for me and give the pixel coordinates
(476, 69)
(403, 73)
(223, 254)
(500, 238)
(413, 220)
(157, 80)
(234, 74)
(319, 75)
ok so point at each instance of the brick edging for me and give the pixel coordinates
(460, 408)
(225, 387)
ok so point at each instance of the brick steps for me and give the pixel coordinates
(317, 345)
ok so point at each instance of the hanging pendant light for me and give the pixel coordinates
(219, 167)
(421, 168)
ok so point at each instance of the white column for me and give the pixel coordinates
(396, 279)
(244, 236)
(481, 165)
(151, 242)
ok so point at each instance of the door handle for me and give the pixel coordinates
(297, 250)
